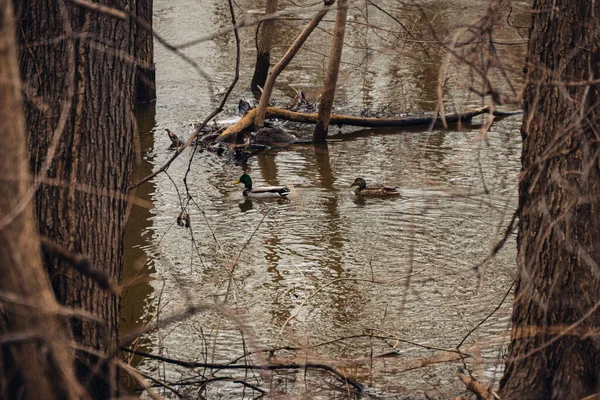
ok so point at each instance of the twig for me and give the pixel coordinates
(137, 376)
(13, 298)
(402, 25)
(488, 84)
(500, 244)
(268, 367)
(224, 378)
(203, 124)
(259, 118)
(229, 89)
(81, 264)
(159, 383)
(488, 316)
(124, 14)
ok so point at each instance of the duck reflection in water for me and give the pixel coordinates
(359, 200)
(246, 205)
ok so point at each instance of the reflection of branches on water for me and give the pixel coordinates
(412, 365)
(476, 46)
(487, 317)
(208, 224)
(319, 289)
(408, 32)
(442, 356)
(371, 335)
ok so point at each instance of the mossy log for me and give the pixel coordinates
(230, 134)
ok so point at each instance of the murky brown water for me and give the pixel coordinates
(326, 264)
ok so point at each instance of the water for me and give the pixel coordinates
(390, 275)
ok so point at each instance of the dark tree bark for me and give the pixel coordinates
(34, 360)
(554, 350)
(263, 48)
(80, 92)
(326, 104)
(145, 82)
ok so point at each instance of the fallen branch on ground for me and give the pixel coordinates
(230, 134)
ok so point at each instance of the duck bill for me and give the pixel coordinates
(236, 182)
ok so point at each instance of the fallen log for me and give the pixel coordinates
(230, 134)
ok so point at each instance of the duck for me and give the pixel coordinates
(276, 136)
(176, 141)
(261, 191)
(374, 190)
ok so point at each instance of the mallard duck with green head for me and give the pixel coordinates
(374, 190)
(261, 191)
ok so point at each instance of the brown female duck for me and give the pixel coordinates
(276, 136)
(374, 190)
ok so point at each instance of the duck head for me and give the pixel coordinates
(360, 182)
(246, 180)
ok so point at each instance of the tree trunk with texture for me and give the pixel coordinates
(263, 48)
(80, 96)
(554, 351)
(35, 362)
(145, 81)
(326, 105)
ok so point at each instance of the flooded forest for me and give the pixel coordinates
(370, 199)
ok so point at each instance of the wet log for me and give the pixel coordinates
(230, 134)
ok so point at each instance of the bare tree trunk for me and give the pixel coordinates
(34, 360)
(335, 58)
(554, 352)
(145, 82)
(80, 97)
(263, 48)
(259, 119)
